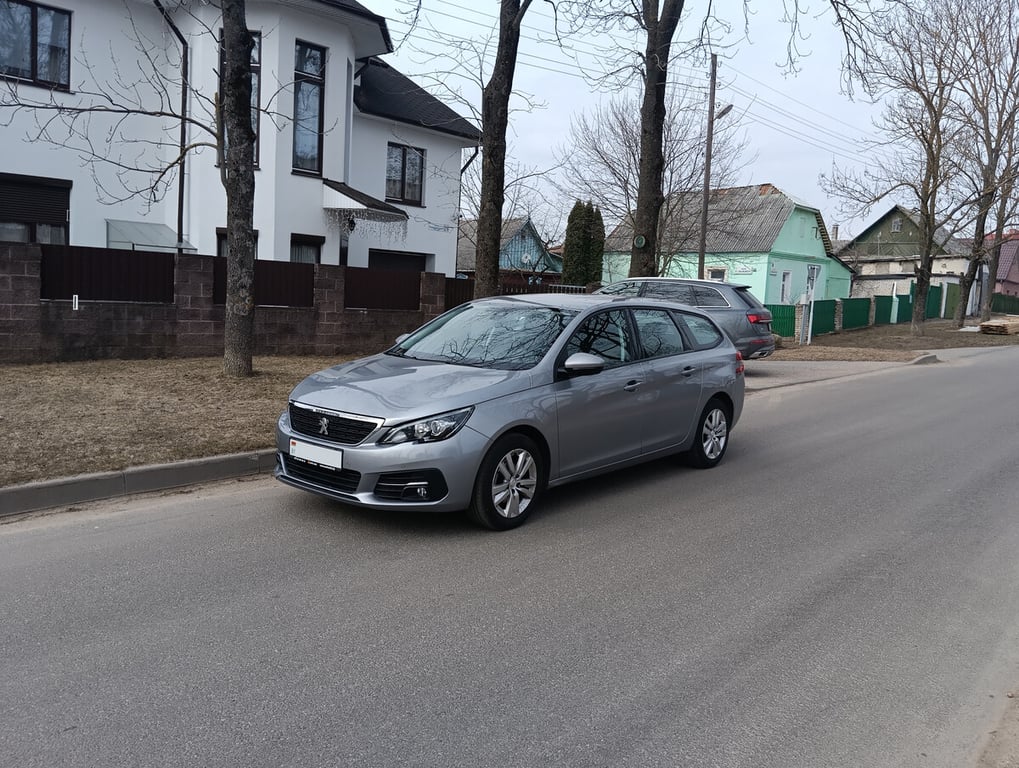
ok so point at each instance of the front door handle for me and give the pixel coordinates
(632, 385)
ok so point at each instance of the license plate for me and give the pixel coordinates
(316, 454)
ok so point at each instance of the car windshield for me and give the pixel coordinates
(511, 337)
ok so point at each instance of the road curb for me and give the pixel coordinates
(46, 494)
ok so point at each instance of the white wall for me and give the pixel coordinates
(285, 203)
(432, 227)
(92, 31)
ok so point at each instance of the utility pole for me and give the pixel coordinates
(707, 166)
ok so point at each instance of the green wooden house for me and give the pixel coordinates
(756, 235)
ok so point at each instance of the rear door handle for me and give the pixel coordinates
(689, 371)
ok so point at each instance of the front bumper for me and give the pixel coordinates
(435, 476)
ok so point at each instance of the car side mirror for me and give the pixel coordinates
(583, 364)
(401, 337)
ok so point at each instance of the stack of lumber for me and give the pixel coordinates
(1002, 326)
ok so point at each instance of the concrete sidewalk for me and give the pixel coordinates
(62, 492)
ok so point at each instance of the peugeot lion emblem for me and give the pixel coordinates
(323, 426)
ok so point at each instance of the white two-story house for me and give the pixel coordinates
(355, 164)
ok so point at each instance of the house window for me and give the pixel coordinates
(787, 288)
(309, 101)
(306, 249)
(405, 174)
(897, 225)
(35, 43)
(256, 85)
(34, 209)
(716, 273)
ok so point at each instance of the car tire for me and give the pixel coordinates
(509, 484)
(712, 436)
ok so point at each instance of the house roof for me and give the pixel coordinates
(467, 239)
(943, 239)
(384, 92)
(370, 24)
(1008, 255)
(740, 220)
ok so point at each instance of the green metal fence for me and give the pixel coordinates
(783, 319)
(933, 308)
(905, 311)
(855, 313)
(882, 310)
(952, 297)
(1007, 304)
(824, 317)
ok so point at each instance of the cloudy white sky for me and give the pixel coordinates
(796, 124)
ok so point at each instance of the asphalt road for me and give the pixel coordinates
(842, 591)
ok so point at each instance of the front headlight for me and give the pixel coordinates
(428, 430)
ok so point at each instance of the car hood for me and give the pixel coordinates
(397, 388)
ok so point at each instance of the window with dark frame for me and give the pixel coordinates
(306, 249)
(35, 43)
(34, 209)
(256, 85)
(405, 174)
(309, 102)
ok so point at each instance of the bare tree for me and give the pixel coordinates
(601, 162)
(239, 181)
(495, 100)
(987, 109)
(654, 26)
(918, 72)
(102, 118)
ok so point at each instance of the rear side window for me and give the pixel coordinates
(625, 288)
(709, 297)
(702, 331)
(659, 335)
(748, 298)
(670, 291)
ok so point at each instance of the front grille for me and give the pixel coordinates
(345, 430)
(342, 480)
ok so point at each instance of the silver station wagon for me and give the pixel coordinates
(491, 403)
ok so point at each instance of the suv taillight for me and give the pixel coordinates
(754, 317)
(740, 366)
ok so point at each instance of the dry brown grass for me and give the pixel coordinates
(67, 419)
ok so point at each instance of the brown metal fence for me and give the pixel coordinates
(106, 274)
(381, 289)
(277, 283)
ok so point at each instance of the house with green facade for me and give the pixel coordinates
(756, 236)
(886, 254)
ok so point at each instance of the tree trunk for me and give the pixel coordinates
(239, 181)
(644, 248)
(494, 121)
(965, 288)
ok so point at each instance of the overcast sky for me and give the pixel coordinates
(796, 124)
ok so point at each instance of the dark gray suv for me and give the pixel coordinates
(732, 306)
